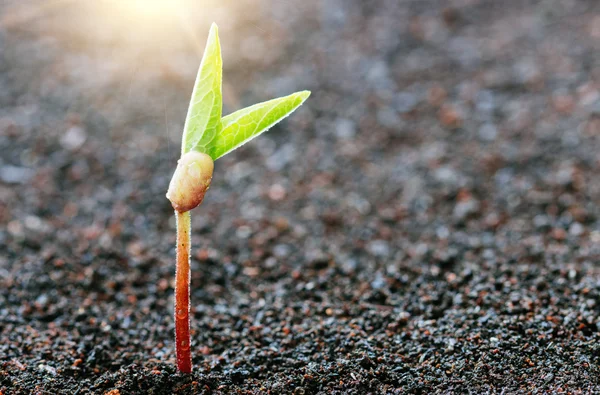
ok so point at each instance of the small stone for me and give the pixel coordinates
(450, 116)
(349, 265)
(387, 117)
(47, 369)
(15, 228)
(405, 102)
(447, 176)
(559, 234)
(281, 250)
(34, 223)
(243, 232)
(8, 127)
(576, 229)
(436, 95)
(74, 138)
(527, 71)
(379, 282)
(277, 192)
(488, 132)
(485, 101)
(591, 303)
(15, 175)
(345, 129)
(588, 95)
(42, 300)
(379, 248)
(465, 208)
(403, 316)
(563, 103)
(413, 188)
(541, 221)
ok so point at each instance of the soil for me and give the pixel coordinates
(427, 223)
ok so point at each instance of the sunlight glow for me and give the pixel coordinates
(157, 22)
(146, 9)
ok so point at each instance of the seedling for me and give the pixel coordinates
(206, 138)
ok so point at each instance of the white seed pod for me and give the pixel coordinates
(190, 181)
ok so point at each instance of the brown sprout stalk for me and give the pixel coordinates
(186, 191)
(182, 292)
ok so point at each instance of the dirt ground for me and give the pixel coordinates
(427, 223)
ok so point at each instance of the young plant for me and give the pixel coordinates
(206, 137)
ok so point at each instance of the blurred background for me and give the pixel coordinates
(413, 102)
(446, 161)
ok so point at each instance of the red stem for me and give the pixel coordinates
(182, 293)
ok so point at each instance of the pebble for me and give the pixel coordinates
(488, 132)
(465, 208)
(389, 118)
(450, 116)
(405, 102)
(74, 138)
(47, 369)
(15, 174)
(345, 129)
(379, 248)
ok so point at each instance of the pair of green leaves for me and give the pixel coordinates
(205, 131)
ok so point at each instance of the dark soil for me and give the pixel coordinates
(427, 223)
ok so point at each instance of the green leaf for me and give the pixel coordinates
(244, 125)
(204, 114)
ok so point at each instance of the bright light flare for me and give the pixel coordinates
(146, 10)
(149, 22)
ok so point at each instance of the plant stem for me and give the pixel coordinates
(182, 293)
